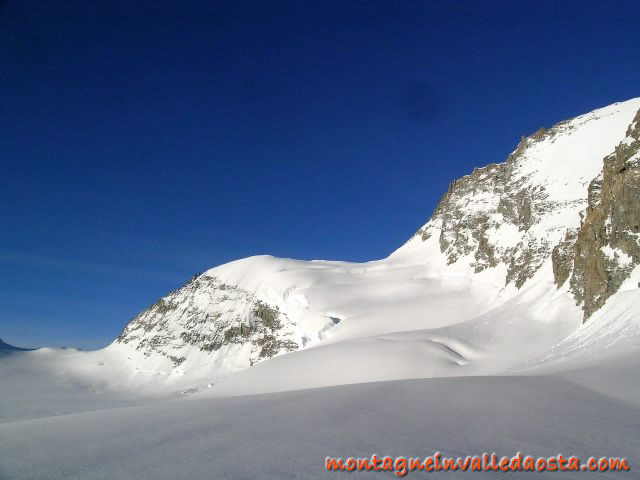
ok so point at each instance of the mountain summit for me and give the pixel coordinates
(5, 348)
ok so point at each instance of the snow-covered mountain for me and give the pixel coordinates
(521, 292)
(507, 234)
(514, 257)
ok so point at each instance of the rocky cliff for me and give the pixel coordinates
(607, 245)
(211, 317)
(519, 213)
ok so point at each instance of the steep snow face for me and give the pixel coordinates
(514, 213)
(612, 331)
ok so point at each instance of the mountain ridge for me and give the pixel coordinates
(6, 348)
(501, 236)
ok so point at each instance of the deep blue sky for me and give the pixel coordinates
(141, 145)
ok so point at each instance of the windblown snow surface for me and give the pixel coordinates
(404, 356)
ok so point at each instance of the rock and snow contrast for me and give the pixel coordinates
(510, 321)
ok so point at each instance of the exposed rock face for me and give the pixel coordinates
(563, 256)
(608, 242)
(552, 198)
(515, 212)
(208, 315)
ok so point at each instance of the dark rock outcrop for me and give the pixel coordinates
(208, 315)
(607, 247)
(482, 213)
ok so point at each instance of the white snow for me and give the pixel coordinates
(566, 163)
(617, 255)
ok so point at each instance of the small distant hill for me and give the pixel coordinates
(5, 348)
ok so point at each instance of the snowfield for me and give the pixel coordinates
(403, 356)
(288, 435)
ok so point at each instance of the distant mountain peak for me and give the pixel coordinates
(6, 348)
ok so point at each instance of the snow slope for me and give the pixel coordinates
(47, 382)
(288, 435)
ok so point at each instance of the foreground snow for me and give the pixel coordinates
(288, 435)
